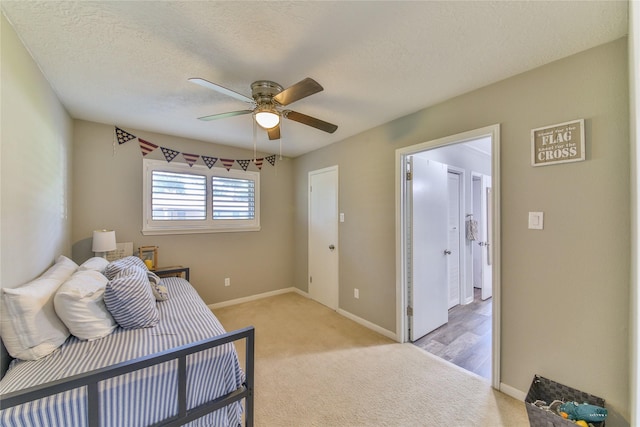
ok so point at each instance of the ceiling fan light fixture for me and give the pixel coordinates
(267, 118)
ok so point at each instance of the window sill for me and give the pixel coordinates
(167, 231)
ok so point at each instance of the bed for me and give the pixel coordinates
(183, 370)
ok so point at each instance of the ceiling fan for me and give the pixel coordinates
(266, 102)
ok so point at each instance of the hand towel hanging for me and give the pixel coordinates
(472, 229)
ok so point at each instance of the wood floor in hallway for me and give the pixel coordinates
(466, 339)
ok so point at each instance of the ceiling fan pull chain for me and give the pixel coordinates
(281, 140)
(255, 131)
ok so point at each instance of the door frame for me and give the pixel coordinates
(492, 131)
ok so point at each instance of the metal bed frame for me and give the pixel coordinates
(92, 378)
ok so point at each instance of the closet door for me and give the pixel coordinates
(323, 236)
(454, 189)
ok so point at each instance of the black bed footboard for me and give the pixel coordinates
(92, 378)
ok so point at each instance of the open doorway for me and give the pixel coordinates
(460, 157)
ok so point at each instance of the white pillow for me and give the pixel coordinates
(61, 270)
(30, 327)
(79, 303)
(96, 264)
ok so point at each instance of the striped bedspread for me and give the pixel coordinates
(139, 398)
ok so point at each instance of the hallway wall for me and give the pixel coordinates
(551, 279)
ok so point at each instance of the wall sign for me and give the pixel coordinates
(561, 143)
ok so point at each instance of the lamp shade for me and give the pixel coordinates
(104, 241)
(267, 119)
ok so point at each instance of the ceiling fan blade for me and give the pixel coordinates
(300, 90)
(224, 115)
(310, 121)
(221, 89)
(274, 132)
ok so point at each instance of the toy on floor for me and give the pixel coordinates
(585, 411)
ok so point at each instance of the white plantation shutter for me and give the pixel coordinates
(178, 196)
(180, 199)
(233, 198)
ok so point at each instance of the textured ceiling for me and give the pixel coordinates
(126, 63)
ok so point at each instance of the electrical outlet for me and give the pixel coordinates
(227, 281)
(356, 293)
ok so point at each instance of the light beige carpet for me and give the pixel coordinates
(315, 367)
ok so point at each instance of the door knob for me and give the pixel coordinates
(331, 246)
(447, 252)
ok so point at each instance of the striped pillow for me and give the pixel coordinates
(117, 266)
(130, 301)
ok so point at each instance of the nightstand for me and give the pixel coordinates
(172, 271)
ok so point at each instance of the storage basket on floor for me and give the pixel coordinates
(545, 389)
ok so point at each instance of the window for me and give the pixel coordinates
(233, 198)
(179, 199)
(178, 196)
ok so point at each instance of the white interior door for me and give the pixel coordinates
(323, 236)
(487, 269)
(428, 287)
(476, 246)
(453, 230)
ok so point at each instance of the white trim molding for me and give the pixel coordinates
(382, 331)
(350, 316)
(252, 298)
(513, 392)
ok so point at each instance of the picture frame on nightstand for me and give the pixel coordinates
(149, 254)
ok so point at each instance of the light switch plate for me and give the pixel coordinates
(536, 220)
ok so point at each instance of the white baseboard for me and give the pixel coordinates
(252, 298)
(367, 324)
(341, 312)
(300, 292)
(513, 392)
(356, 319)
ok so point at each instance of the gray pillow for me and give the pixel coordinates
(121, 264)
(130, 301)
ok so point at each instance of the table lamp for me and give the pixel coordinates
(103, 242)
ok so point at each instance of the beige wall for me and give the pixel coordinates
(108, 194)
(35, 174)
(634, 91)
(565, 289)
(35, 169)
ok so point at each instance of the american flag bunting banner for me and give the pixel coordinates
(227, 163)
(209, 161)
(190, 158)
(146, 147)
(123, 136)
(169, 154)
(244, 164)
